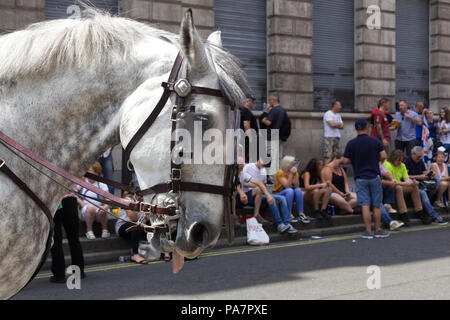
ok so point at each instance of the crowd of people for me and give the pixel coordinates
(386, 174)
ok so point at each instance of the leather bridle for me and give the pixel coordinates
(175, 184)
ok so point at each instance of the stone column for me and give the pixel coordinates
(374, 55)
(167, 14)
(289, 49)
(16, 14)
(439, 54)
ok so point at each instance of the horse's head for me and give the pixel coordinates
(200, 142)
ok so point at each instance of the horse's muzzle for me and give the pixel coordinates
(193, 239)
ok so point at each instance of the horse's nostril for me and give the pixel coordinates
(199, 235)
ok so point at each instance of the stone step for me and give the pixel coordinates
(108, 250)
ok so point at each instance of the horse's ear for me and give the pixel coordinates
(216, 38)
(192, 45)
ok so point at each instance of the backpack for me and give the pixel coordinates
(285, 130)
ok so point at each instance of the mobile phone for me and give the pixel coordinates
(295, 163)
(430, 174)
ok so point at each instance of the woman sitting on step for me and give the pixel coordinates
(336, 176)
(135, 235)
(90, 210)
(314, 189)
(440, 171)
(287, 184)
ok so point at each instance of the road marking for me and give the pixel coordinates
(253, 249)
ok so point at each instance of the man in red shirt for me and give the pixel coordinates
(381, 125)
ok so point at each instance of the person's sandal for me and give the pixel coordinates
(143, 261)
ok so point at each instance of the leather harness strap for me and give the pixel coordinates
(159, 106)
(4, 168)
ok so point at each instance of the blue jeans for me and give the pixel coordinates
(369, 192)
(107, 169)
(385, 217)
(427, 204)
(285, 216)
(289, 194)
(388, 195)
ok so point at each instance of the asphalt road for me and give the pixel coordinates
(414, 264)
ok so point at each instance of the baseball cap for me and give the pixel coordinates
(360, 124)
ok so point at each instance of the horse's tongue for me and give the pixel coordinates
(178, 261)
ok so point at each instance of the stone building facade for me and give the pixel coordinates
(290, 43)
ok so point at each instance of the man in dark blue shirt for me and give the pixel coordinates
(275, 115)
(365, 153)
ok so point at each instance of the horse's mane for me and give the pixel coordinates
(93, 40)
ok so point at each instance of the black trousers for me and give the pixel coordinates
(134, 236)
(66, 217)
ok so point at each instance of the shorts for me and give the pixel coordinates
(83, 213)
(330, 145)
(250, 202)
(369, 192)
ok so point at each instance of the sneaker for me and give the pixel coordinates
(90, 235)
(439, 221)
(304, 219)
(389, 208)
(439, 204)
(292, 230)
(381, 234)
(405, 218)
(105, 234)
(367, 235)
(282, 228)
(293, 218)
(394, 225)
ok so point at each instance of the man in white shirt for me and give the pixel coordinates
(332, 124)
(258, 173)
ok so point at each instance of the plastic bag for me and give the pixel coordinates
(256, 236)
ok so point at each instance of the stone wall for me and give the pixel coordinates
(374, 55)
(289, 50)
(439, 54)
(16, 14)
(167, 14)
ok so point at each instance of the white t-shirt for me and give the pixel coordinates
(92, 194)
(445, 137)
(254, 172)
(329, 131)
(244, 177)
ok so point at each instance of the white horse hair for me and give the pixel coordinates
(69, 89)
